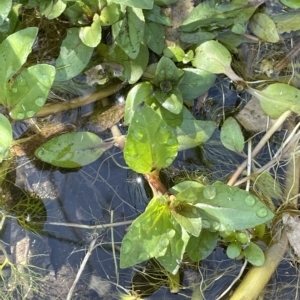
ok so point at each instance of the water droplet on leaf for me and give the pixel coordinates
(14, 90)
(20, 116)
(216, 225)
(205, 223)
(138, 134)
(171, 141)
(262, 212)
(209, 192)
(250, 200)
(39, 101)
(30, 113)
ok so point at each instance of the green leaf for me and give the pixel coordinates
(166, 71)
(191, 132)
(133, 68)
(195, 83)
(139, 93)
(6, 137)
(231, 135)
(175, 53)
(287, 21)
(232, 209)
(233, 250)
(171, 100)
(30, 90)
(254, 254)
(149, 142)
(144, 4)
(267, 185)
(52, 9)
(14, 51)
(291, 3)
(110, 14)
(5, 7)
(211, 56)
(73, 56)
(129, 32)
(188, 184)
(196, 37)
(209, 15)
(264, 28)
(72, 150)
(157, 15)
(277, 98)
(171, 258)
(154, 36)
(199, 248)
(91, 35)
(164, 2)
(188, 217)
(148, 235)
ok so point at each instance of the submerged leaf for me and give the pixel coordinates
(231, 135)
(72, 150)
(149, 143)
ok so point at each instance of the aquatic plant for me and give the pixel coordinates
(188, 218)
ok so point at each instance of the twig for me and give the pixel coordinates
(259, 146)
(113, 243)
(90, 226)
(234, 281)
(82, 266)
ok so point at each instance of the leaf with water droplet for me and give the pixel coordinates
(231, 135)
(30, 91)
(230, 208)
(254, 254)
(6, 137)
(277, 98)
(142, 150)
(72, 150)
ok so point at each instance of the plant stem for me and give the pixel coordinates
(78, 102)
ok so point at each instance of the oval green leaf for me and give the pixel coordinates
(30, 90)
(91, 35)
(72, 150)
(264, 28)
(231, 135)
(277, 98)
(150, 143)
(254, 254)
(234, 250)
(213, 57)
(73, 57)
